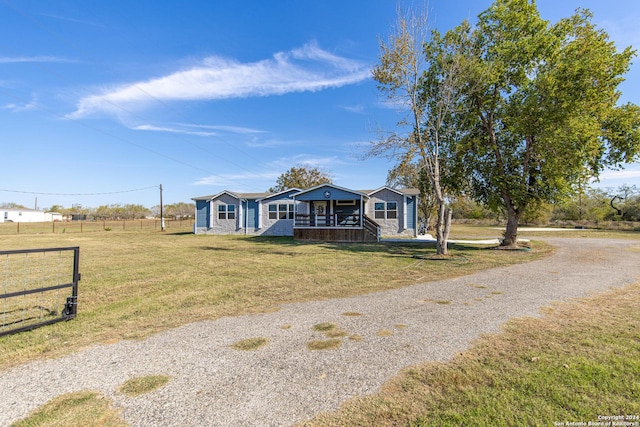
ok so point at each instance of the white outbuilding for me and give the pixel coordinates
(28, 215)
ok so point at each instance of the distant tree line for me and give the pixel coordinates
(588, 204)
(118, 211)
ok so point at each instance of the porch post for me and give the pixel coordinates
(404, 213)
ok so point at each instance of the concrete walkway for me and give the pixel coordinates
(285, 382)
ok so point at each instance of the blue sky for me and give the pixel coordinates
(98, 98)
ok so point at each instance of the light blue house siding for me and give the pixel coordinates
(329, 192)
(412, 212)
(251, 207)
(246, 213)
(277, 214)
(202, 214)
(395, 211)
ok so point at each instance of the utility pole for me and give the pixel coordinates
(161, 213)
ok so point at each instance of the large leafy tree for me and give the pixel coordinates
(540, 107)
(301, 177)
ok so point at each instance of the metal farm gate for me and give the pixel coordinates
(38, 287)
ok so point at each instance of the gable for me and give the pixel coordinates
(329, 192)
(385, 189)
(286, 194)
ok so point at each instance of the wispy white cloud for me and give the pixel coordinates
(307, 160)
(359, 108)
(233, 180)
(195, 129)
(224, 128)
(306, 69)
(74, 20)
(172, 130)
(621, 174)
(31, 59)
(27, 106)
(270, 142)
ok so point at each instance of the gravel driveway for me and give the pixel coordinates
(285, 382)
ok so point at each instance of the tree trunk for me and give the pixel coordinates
(511, 233)
(442, 229)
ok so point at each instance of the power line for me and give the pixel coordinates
(64, 40)
(77, 194)
(84, 124)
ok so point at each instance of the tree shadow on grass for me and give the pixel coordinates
(394, 249)
(285, 245)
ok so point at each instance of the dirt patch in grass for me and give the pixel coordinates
(440, 257)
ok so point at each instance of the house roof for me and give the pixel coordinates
(20, 210)
(356, 192)
(267, 195)
(234, 195)
(272, 195)
(402, 191)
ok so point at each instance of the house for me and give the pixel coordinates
(326, 212)
(28, 215)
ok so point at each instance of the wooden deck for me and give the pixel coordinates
(335, 234)
(347, 231)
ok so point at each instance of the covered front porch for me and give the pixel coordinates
(333, 214)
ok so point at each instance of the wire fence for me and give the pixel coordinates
(7, 228)
(37, 287)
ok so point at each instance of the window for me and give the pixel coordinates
(281, 211)
(392, 210)
(378, 211)
(226, 211)
(273, 211)
(385, 211)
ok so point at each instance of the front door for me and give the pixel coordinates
(321, 212)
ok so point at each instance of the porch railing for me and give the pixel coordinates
(372, 227)
(335, 220)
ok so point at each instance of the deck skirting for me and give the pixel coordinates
(334, 234)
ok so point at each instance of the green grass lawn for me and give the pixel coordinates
(578, 362)
(138, 283)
